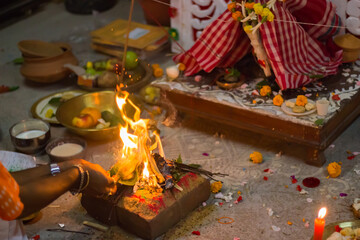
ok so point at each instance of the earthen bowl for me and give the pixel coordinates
(37, 48)
(48, 69)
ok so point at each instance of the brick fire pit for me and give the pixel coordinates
(149, 215)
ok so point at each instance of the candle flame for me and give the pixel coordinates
(322, 213)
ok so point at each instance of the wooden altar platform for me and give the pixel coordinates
(236, 108)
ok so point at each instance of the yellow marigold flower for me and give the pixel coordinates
(249, 5)
(265, 90)
(270, 17)
(256, 157)
(231, 6)
(265, 12)
(258, 8)
(236, 15)
(334, 169)
(268, 14)
(248, 28)
(158, 72)
(215, 187)
(278, 100)
(301, 100)
(181, 67)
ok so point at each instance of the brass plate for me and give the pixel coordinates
(40, 104)
(133, 87)
(330, 228)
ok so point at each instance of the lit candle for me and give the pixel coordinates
(319, 224)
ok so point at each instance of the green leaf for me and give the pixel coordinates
(55, 101)
(194, 165)
(319, 122)
(261, 84)
(13, 88)
(18, 60)
(179, 160)
(316, 76)
(264, 19)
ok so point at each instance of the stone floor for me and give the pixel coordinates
(227, 151)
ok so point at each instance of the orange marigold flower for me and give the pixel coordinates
(301, 100)
(334, 169)
(249, 5)
(181, 67)
(236, 15)
(278, 100)
(216, 187)
(256, 157)
(265, 90)
(155, 65)
(231, 6)
(158, 72)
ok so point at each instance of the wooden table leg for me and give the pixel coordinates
(315, 157)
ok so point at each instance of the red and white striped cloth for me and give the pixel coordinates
(297, 52)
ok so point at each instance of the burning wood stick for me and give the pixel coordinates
(185, 168)
(208, 174)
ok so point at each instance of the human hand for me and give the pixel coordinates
(100, 183)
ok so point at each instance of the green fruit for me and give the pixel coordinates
(132, 60)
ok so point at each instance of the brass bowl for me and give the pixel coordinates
(104, 101)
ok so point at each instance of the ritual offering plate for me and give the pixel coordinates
(347, 227)
(104, 75)
(289, 110)
(46, 107)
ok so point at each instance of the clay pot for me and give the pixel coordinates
(37, 48)
(156, 10)
(48, 69)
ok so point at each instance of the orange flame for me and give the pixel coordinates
(136, 146)
(322, 213)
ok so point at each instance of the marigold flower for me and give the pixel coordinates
(278, 100)
(181, 67)
(158, 72)
(265, 90)
(268, 14)
(301, 100)
(155, 65)
(334, 169)
(231, 6)
(248, 28)
(256, 157)
(258, 8)
(236, 15)
(215, 187)
(249, 5)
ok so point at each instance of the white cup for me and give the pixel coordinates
(322, 106)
